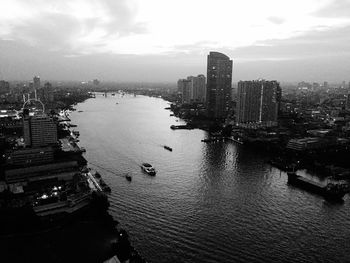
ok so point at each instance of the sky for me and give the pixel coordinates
(164, 40)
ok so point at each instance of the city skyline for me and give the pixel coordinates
(146, 40)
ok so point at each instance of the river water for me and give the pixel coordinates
(215, 202)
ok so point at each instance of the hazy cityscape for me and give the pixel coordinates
(155, 131)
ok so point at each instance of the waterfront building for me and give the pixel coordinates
(198, 88)
(309, 143)
(258, 101)
(39, 131)
(186, 91)
(180, 85)
(193, 89)
(219, 78)
(29, 156)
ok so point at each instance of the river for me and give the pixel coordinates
(217, 202)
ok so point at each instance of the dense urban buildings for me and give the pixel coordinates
(219, 78)
(258, 102)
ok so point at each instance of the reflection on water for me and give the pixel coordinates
(215, 202)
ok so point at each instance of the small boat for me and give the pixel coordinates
(147, 168)
(80, 111)
(168, 148)
(128, 177)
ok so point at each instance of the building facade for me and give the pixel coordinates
(193, 89)
(39, 131)
(258, 101)
(219, 84)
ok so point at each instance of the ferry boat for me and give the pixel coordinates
(168, 148)
(333, 191)
(147, 168)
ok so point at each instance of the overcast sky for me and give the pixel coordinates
(163, 40)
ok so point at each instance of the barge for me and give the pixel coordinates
(332, 191)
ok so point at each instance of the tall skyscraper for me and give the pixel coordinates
(258, 102)
(39, 131)
(219, 78)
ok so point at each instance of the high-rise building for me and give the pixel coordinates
(219, 78)
(186, 90)
(180, 85)
(198, 88)
(258, 101)
(36, 82)
(193, 89)
(47, 92)
(39, 131)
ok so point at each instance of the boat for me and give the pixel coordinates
(184, 127)
(147, 168)
(80, 111)
(128, 177)
(332, 191)
(168, 148)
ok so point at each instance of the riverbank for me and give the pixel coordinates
(88, 238)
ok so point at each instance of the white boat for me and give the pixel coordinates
(147, 168)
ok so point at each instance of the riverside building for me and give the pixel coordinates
(219, 85)
(258, 102)
(193, 89)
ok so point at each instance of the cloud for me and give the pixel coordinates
(73, 26)
(276, 20)
(336, 9)
(321, 43)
